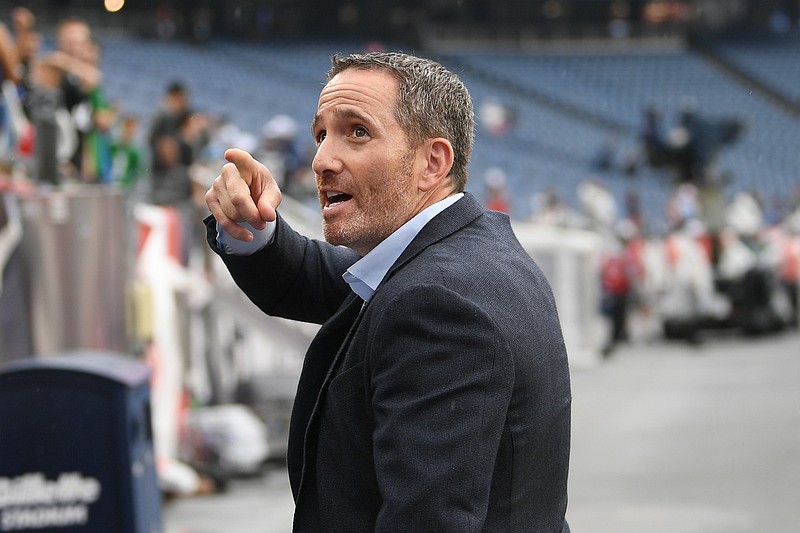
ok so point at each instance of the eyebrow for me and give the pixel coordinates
(339, 112)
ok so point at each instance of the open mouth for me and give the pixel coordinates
(334, 198)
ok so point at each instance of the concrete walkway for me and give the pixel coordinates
(667, 438)
(672, 439)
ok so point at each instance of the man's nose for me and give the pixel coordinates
(326, 160)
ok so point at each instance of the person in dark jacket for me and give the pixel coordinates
(436, 394)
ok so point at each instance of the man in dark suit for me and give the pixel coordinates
(435, 396)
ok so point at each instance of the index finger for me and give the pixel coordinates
(263, 188)
(235, 196)
(249, 169)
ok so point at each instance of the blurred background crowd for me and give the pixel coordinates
(663, 133)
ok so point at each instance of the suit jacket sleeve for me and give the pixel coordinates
(294, 277)
(441, 382)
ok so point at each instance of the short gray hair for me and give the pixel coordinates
(432, 102)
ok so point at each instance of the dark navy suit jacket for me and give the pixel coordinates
(443, 405)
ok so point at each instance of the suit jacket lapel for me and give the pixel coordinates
(445, 223)
(319, 366)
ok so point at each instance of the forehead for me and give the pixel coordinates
(74, 30)
(371, 91)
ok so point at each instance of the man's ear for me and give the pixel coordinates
(438, 153)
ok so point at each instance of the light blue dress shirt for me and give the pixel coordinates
(232, 246)
(366, 274)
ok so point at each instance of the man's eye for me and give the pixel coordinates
(359, 131)
(319, 137)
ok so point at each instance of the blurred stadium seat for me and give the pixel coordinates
(567, 105)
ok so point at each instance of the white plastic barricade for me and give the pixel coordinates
(569, 259)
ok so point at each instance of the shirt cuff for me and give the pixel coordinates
(261, 239)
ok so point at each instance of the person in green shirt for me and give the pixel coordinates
(126, 155)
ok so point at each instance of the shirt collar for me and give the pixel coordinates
(366, 274)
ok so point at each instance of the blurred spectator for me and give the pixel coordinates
(126, 154)
(683, 205)
(745, 278)
(77, 57)
(43, 104)
(97, 132)
(9, 57)
(63, 88)
(706, 136)
(26, 39)
(497, 117)
(279, 150)
(193, 136)
(745, 216)
(691, 147)
(598, 203)
(224, 134)
(633, 209)
(97, 146)
(658, 149)
(792, 219)
(789, 274)
(10, 73)
(166, 121)
(167, 181)
(172, 185)
(549, 208)
(28, 44)
(682, 278)
(496, 190)
(616, 276)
